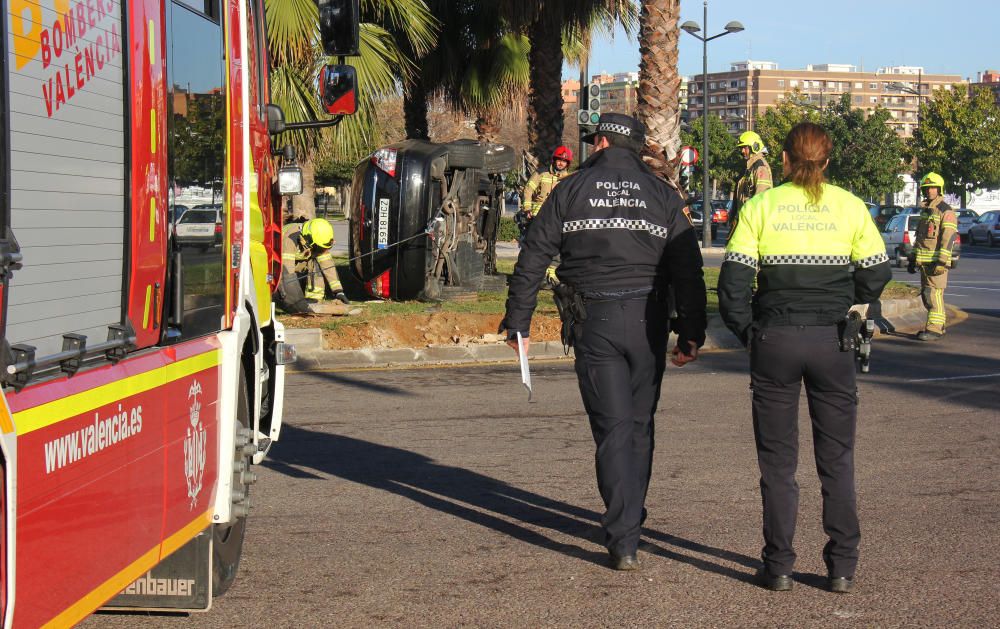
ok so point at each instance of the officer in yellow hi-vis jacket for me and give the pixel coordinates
(307, 266)
(800, 241)
(933, 251)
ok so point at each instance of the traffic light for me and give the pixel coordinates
(590, 111)
(338, 27)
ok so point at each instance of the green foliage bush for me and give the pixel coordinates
(508, 229)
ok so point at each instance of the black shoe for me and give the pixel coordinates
(840, 585)
(775, 583)
(624, 562)
(927, 335)
(340, 296)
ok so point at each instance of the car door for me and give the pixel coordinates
(891, 235)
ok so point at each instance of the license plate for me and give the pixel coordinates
(383, 223)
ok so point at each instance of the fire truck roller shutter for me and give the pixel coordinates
(67, 175)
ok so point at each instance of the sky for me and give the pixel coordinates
(957, 37)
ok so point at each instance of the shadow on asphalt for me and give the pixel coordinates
(359, 383)
(476, 498)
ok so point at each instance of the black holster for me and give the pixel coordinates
(571, 309)
(856, 335)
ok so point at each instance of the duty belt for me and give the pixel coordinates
(612, 295)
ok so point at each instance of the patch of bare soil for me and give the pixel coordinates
(423, 330)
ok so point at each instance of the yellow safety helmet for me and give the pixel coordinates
(933, 180)
(752, 141)
(318, 232)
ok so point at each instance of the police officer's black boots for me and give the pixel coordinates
(775, 583)
(624, 562)
(840, 585)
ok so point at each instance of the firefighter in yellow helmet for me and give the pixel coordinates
(934, 252)
(755, 180)
(308, 271)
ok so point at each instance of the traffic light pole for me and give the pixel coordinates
(584, 101)
(706, 204)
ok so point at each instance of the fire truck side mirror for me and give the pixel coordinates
(338, 89)
(338, 27)
(275, 120)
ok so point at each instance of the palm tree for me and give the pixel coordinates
(293, 35)
(548, 23)
(659, 84)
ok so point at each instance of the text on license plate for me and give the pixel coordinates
(383, 223)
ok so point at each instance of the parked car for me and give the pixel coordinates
(425, 217)
(694, 211)
(884, 214)
(899, 234)
(201, 226)
(966, 218)
(986, 229)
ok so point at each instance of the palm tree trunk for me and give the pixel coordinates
(488, 127)
(304, 205)
(415, 110)
(545, 114)
(659, 83)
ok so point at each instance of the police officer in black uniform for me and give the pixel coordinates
(814, 252)
(623, 238)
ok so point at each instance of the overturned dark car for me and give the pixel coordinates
(425, 216)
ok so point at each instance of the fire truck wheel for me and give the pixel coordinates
(227, 545)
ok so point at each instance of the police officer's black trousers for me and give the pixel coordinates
(620, 357)
(781, 359)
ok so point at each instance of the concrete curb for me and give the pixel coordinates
(898, 313)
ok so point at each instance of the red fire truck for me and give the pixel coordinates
(141, 363)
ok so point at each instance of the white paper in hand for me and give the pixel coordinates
(522, 355)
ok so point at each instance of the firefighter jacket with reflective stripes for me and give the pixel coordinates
(755, 180)
(540, 186)
(937, 234)
(298, 261)
(616, 227)
(802, 255)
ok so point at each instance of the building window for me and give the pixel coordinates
(732, 84)
(743, 82)
(873, 86)
(859, 86)
(794, 83)
(857, 100)
(874, 100)
(781, 82)
(743, 97)
(711, 99)
(711, 86)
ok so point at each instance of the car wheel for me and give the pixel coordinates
(899, 258)
(465, 154)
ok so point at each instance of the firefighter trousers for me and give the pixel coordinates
(781, 358)
(620, 358)
(932, 285)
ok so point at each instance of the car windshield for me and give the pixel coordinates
(199, 216)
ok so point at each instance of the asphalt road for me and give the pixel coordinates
(441, 498)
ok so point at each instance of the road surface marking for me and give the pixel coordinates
(985, 375)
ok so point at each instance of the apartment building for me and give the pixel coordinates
(740, 95)
(989, 79)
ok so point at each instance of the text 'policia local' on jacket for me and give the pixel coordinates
(617, 227)
(802, 254)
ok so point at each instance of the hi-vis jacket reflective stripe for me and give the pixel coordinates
(539, 187)
(937, 233)
(802, 254)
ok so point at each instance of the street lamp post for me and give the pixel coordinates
(896, 86)
(692, 28)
